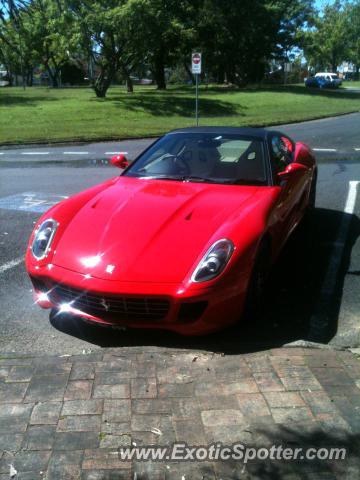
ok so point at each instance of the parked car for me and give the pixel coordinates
(323, 80)
(4, 81)
(183, 239)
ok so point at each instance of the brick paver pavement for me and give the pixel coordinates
(65, 418)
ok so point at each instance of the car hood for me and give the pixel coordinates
(150, 230)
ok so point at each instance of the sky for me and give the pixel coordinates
(320, 3)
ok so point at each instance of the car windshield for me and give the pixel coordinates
(334, 77)
(201, 157)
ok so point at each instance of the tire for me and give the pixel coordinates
(312, 194)
(305, 228)
(257, 286)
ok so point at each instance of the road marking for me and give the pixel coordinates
(319, 323)
(11, 264)
(116, 153)
(75, 153)
(35, 153)
(351, 198)
(357, 149)
(30, 201)
(324, 149)
(12, 152)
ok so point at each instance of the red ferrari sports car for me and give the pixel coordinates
(183, 238)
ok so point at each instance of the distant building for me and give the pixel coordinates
(3, 79)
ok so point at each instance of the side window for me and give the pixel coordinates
(281, 153)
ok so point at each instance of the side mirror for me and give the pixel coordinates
(119, 161)
(290, 170)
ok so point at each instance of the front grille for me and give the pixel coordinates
(116, 307)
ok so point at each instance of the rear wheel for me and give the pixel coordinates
(312, 195)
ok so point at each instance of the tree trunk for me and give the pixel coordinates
(29, 77)
(357, 68)
(103, 82)
(230, 76)
(9, 76)
(129, 82)
(129, 85)
(188, 71)
(221, 75)
(53, 76)
(54, 81)
(159, 74)
(333, 64)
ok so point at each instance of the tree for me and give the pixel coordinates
(15, 51)
(53, 33)
(291, 18)
(326, 45)
(160, 30)
(106, 39)
(39, 32)
(353, 31)
(9, 57)
(239, 37)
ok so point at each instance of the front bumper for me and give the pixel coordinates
(194, 310)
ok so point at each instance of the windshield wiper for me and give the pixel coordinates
(195, 178)
(182, 178)
(245, 181)
(161, 177)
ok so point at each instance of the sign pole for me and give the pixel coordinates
(197, 99)
(196, 70)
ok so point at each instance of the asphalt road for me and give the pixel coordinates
(314, 291)
(333, 136)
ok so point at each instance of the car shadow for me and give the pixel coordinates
(296, 307)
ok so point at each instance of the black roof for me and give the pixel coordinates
(246, 131)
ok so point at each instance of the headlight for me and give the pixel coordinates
(43, 238)
(214, 261)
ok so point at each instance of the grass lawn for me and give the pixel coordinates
(43, 114)
(354, 84)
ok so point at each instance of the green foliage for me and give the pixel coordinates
(44, 33)
(54, 34)
(116, 38)
(352, 13)
(162, 30)
(326, 45)
(240, 36)
(107, 40)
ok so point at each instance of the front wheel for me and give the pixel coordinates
(257, 286)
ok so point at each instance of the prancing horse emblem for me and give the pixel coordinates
(104, 304)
